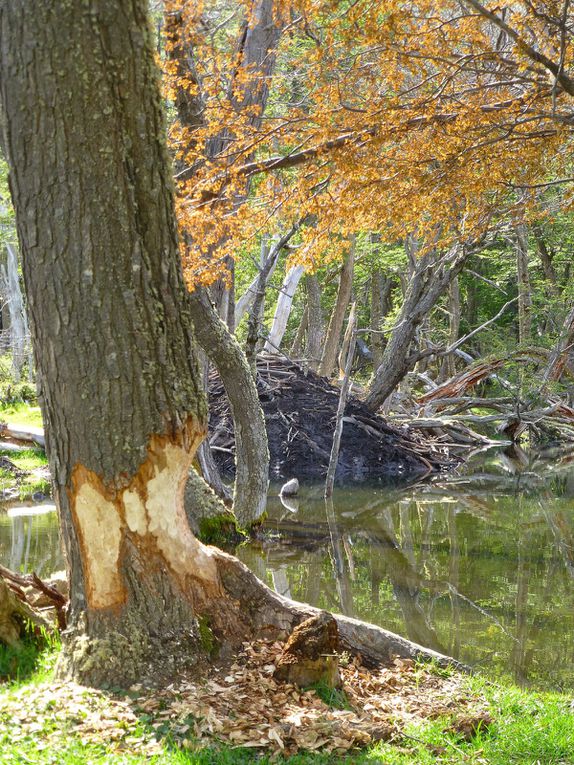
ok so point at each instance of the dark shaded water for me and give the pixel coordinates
(479, 565)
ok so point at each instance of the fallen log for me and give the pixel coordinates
(459, 384)
(28, 434)
(269, 614)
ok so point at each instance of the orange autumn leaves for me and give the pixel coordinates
(429, 118)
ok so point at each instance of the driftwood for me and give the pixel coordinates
(16, 614)
(445, 408)
(20, 433)
(18, 603)
(461, 383)
(300, 413)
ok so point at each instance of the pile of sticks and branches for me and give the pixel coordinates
(449, 410)
(300, 411)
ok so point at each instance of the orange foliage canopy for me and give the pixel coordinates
(427, 118)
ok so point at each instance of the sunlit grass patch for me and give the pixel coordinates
(21, 413)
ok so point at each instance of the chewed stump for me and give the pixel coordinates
(310, 655)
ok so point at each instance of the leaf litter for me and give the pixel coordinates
(243, 705)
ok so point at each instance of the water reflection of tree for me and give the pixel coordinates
(341, 569)
(399, 567)
(474, 567)
(31, 543)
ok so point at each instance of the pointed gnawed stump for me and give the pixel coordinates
(310, 655)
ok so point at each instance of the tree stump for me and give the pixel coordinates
(310, 655)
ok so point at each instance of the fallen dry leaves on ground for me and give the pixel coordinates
(242, 705)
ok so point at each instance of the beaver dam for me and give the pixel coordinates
(300, 411)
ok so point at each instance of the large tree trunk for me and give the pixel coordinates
(331, 346)
(115, 356)
(116, 360)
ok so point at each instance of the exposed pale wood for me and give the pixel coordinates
(283, 309)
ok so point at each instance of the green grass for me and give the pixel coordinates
(28, 459)
(528, 728)
(336, 698)
(30, 664)
(21, 414)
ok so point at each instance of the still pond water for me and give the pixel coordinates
(478, 564)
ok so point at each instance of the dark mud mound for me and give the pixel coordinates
(300, 409)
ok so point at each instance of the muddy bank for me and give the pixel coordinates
(300, 409)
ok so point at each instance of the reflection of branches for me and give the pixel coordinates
(407, 583)
(560, 529)
(453, 591)
(341, 574)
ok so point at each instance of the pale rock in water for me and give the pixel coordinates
(290, 489)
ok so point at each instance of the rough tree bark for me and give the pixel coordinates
(331, 347)
(115, 356)
(314, 321)
(116, 359)
(429, 281)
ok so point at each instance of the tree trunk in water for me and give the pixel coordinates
(283, 309)
(252, 462)
(430, 280)
(331, 347)
(314, 321)
(524, 292)
(121, 393)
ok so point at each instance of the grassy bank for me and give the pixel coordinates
(46, 722)
(23, 474)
